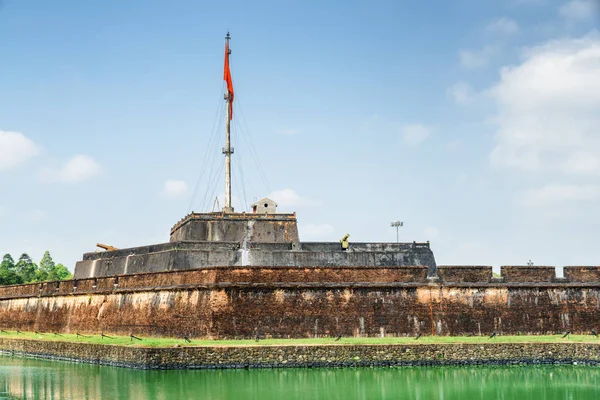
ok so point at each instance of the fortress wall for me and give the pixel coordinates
(32, 289)
(321, 258)
(464, 273)
(155, 262)
(187, 255)
(106, 284)
(83, 285)
(582, 274)
(447, 274)
(212, 275)
(50, 288)
(155, 248)
(277, 310)
(228, 302)
(67, 287)
(522, 273)
(276, 274)
(361, 246)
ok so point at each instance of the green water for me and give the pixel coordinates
(34, 379)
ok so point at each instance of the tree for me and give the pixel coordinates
(8, 274)
(49, 271)
(59, 273)
(26, 268)
(26, 271)
(46, 268)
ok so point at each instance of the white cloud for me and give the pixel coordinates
(174, 188)
(578, 10)
(317, 232)
(547, 109)
(289, 198)
(472, 59)
(78, 169)
(15, 149)
(461, 93)
(502, 26)
(558, 195)
(414, 134)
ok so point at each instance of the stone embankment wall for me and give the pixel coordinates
(242, 302)
(306, 356)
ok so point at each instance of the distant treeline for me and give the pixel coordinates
(26, 271)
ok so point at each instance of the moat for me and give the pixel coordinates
(37, 379)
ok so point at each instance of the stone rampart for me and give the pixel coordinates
(242, 302)
(193, 255)
(306, 355)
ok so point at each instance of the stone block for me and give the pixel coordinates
(522, 273)
(582, 273)
(464, 273)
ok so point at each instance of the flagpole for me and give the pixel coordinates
(228, 150)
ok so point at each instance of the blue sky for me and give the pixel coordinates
(476, 123)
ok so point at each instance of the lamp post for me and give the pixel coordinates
(397, 225)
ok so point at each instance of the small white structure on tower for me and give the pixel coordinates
(264, 206)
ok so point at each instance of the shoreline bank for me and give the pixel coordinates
(305, 356)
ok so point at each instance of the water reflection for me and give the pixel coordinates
(33, 379)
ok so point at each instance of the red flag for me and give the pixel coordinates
(227, 78)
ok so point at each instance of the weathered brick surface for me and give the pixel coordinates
(276, 274)
(50, 288)
(582, 274)
(66, 287)
(520, 273)
(305, 310)
(20, 290)
(241, 302)
(464, 273)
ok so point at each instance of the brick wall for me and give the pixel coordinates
(522, 273)
(582, 274)
(307, 310)
(464, 273)
(240, 302)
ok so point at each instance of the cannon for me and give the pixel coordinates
(106, 247)
(344, 241)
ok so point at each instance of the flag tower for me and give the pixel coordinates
(228, 150)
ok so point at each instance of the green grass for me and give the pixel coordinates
(170, 342)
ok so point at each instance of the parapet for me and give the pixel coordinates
(526, 273)
(582, 273)
(195, 254)
(464, 273)
(162, 247)
(366, 246)
(228, 276)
